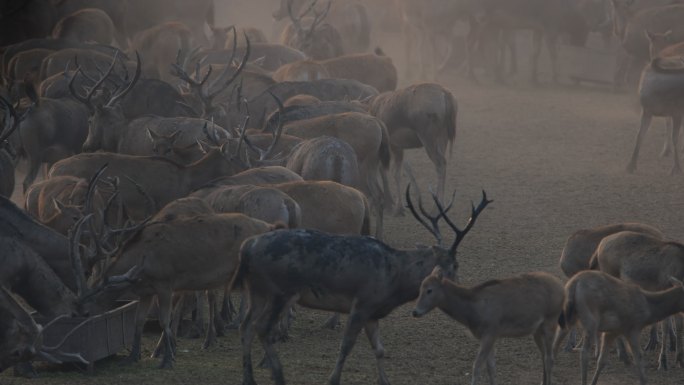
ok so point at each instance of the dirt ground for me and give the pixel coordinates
(552, 158)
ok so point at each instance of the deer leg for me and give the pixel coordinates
(486, 345)
(652, 339)
(645, 124)
(355, 322)
(255, 309)
(678, 323)
(373, 333)
(178, 308)
(397, 162)
(140, 318)
(633, 341)
(227, 307)
(543, 337)
(210, 337)
(510, 42)
(589, 338)
(662, 357)
(606, 340)
(676, 125)
(667, 146)
(435, 151)
(264, 331)
(552, 47)
(560, 335)
(622, 352)
(164, 300)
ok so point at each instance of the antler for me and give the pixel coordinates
(118, 95)
(319, 17)
(265, 154)
(296, 20)
(86, 100)
(475, 212)
(433, 226)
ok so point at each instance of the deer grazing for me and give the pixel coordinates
(646, 261)
(422, 115)
(528, 304)
(606, 305)
(357, 275)
(168, 258)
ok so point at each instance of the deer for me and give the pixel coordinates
(50, 130)
(161, 180)
(606, 305)
(645, 261)
(312, 107)
(630, 26)
(422, 115)
(374, 69)
(659, 96)
(527, 304)
(580, 247)
(370, 141)
(168, 258)
(325, 158)
(350, 19)
(159, 45)
(86, 25)
(352, 274)
(316, 38)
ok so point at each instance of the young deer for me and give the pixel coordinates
(514, 307)
(607, 305)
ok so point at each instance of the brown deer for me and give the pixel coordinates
(168, 258)
(660, 95)
(357, 275)
(373, 69)
(527, 304)
(314, 36)
(630, 25)
(86, 25)
(606, 305)
(370, 140)
(580, 247)
(422, 115)
(325, 158)
(645, 261)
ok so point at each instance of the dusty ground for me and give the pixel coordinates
(552, 158)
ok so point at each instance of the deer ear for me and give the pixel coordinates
(438, 272)
(676, 282)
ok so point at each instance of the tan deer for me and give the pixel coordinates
(609, 308)
(646, 261)
(528, 304)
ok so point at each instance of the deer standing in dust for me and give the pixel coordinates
(580, 247)
(422, 115)
(528, 304)
(606, 305)
(648, 262)
(357, 275)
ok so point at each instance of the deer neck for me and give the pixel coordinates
(204, 170)
(663, 304)
(416, 264)
(42, 288)
(457, 303)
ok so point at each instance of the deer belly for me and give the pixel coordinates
(324, 301)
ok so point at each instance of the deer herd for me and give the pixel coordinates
(182, 160)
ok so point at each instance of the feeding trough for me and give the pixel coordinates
(87, 340)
